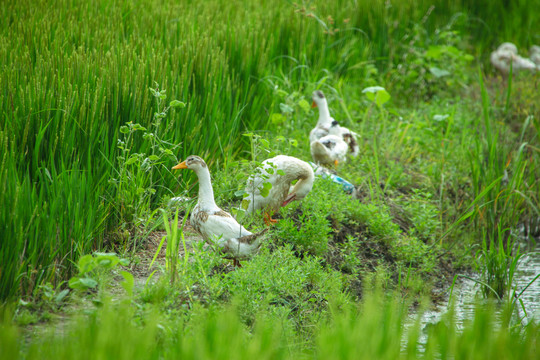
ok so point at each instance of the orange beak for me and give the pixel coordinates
(313, 104)
(182, 165)
(289, 198)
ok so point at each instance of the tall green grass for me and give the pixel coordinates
(376, 330)
(74, 72)
(503, 168)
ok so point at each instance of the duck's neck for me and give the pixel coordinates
(324, 114)
(206, 193)
(304, 185)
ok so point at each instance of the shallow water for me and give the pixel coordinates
(528, 269)
(467, 294)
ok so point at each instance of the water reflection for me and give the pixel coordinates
(467, 295)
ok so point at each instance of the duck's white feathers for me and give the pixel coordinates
(348, 137)
(506, 55)
(280, 172)
(325, 120)
(325, 125)
(244, 246)
(534, 55)
(214, 224)
(328, 149)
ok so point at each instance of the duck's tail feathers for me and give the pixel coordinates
(245, 246)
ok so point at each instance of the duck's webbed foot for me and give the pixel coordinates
(268, 219)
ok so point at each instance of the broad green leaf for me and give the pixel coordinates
(434, 52)
(75, 283)
(285, 108)
(177, 103)
(264, 191)
(82, 283)
(104, 262)
(377, 94)
(372, 90)
(99, 254)
(382, 97)
(132, 159)
(238, 213)
(245, 204)
(440, 117)
(304, 105)
(239, 193)
(60, 296)
(438, 72)
(107, 260)
(86, 264)
(139, 127)
(277, 119)
(88, 282)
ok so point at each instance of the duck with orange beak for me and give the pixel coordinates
(214, 224)
(326, 125)
(280, 172)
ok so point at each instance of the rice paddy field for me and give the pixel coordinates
(100, 99)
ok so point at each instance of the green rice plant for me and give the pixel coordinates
(175, 234)
(378, 328)
(504, 203)
(70, 85)
(496, 264)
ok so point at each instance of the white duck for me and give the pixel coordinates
(507, 54)
(325, 123)
(325, 120)
(214, 224)
(280, 172)
(534, 54)
(330, 149)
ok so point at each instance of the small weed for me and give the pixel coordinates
(135, 182)
(96, 270)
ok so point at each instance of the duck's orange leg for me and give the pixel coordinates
(236, 263)
(268, 219)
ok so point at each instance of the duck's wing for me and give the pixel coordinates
(351, 142)
(317, 133)
(339, 151)
(253, 189)
(523, 63)
(219, 227)
(244, 247)
(320, 153)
